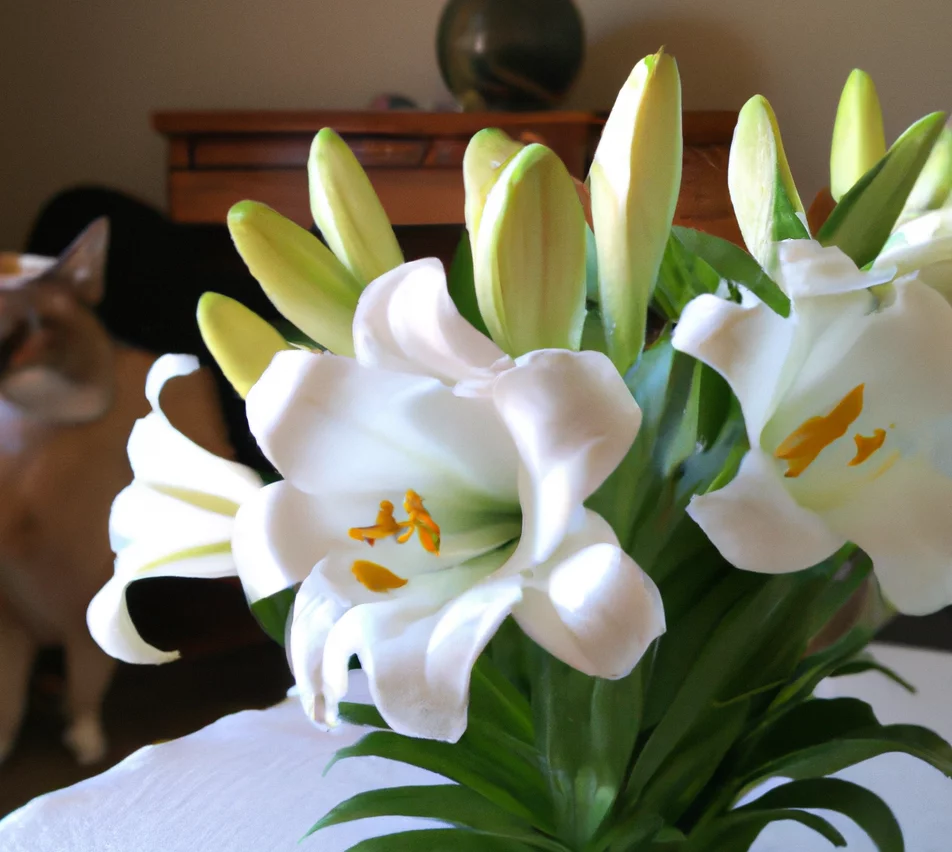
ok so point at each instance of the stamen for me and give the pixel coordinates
(427, 529)
(419, 521)
(865, 447)
(802, 446)
(375, 577)
(385, 527)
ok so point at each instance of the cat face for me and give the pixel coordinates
(56, 358)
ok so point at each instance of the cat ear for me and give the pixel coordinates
(84, 262)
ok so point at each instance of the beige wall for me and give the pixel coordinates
(79, 79)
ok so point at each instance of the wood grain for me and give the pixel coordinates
(413, 159)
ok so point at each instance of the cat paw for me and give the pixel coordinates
(86, 740)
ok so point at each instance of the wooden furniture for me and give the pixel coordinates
(414, 160)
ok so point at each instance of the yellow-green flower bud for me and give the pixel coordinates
(240, 341)
(298, 273)
(347, 210)
(529, 262)
(487, 154)
(859, 141)
(634, 183)
(762, 190)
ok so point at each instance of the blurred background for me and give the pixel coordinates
(79, 83)
(79, 80)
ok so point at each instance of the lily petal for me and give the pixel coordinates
(161, 455)
(757, 525)
(174, 520)
(407, 322)
(591, 605)
(279, 535)
(923, 246)
(808, 268)
(572, 419)
(724, 335)
(902, 521)
(108, 616)
(417, 646)
(412, 432)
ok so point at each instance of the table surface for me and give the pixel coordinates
(252, 782)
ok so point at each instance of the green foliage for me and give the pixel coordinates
(863, 220)
(273, 612)
(734, 264)
(461, 283)
(658, 761)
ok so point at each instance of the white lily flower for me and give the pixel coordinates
(435, 486)
(174, 520)
(923, 246)
(848, 408)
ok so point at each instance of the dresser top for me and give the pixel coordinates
(700, 127)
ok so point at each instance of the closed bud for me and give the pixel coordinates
(487, 154)
(634, 183)
(347, 211)
(240, 341)
(529, 262)
(298, 273)
(859, 141)
(763, 194)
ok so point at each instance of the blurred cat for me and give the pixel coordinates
(69, 396)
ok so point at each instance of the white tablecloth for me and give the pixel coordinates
(252, 782)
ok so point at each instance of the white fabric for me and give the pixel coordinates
(252, 783)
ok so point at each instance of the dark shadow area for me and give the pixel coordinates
(145, 705)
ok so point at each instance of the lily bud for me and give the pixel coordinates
(240, 341)
(934, 186)
(487, 154)
(859, 141)
(634, 184)
(347, 210)
(298, 273)
(529, 262)
(763, 194)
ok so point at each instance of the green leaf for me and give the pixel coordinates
(850, 568)
(461, 284)
(292, 334)
(739, 829)
(863, 220)
(683, 276)
(593, 334)
(621, 496)
(586, 728)
(865, 663)
(818, 666)
(591, 266)
(628, 833)
(829, 757)
(273, 612)
(865, 808)
(799, 728)
(498, 778)
(680, 647)
(494, 698)
(362, 715)
(734, 264)
(447, 803)
(788, 224)
(746, 625)
(438, 840)
(686, 772)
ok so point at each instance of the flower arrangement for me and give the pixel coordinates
(582, 505)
